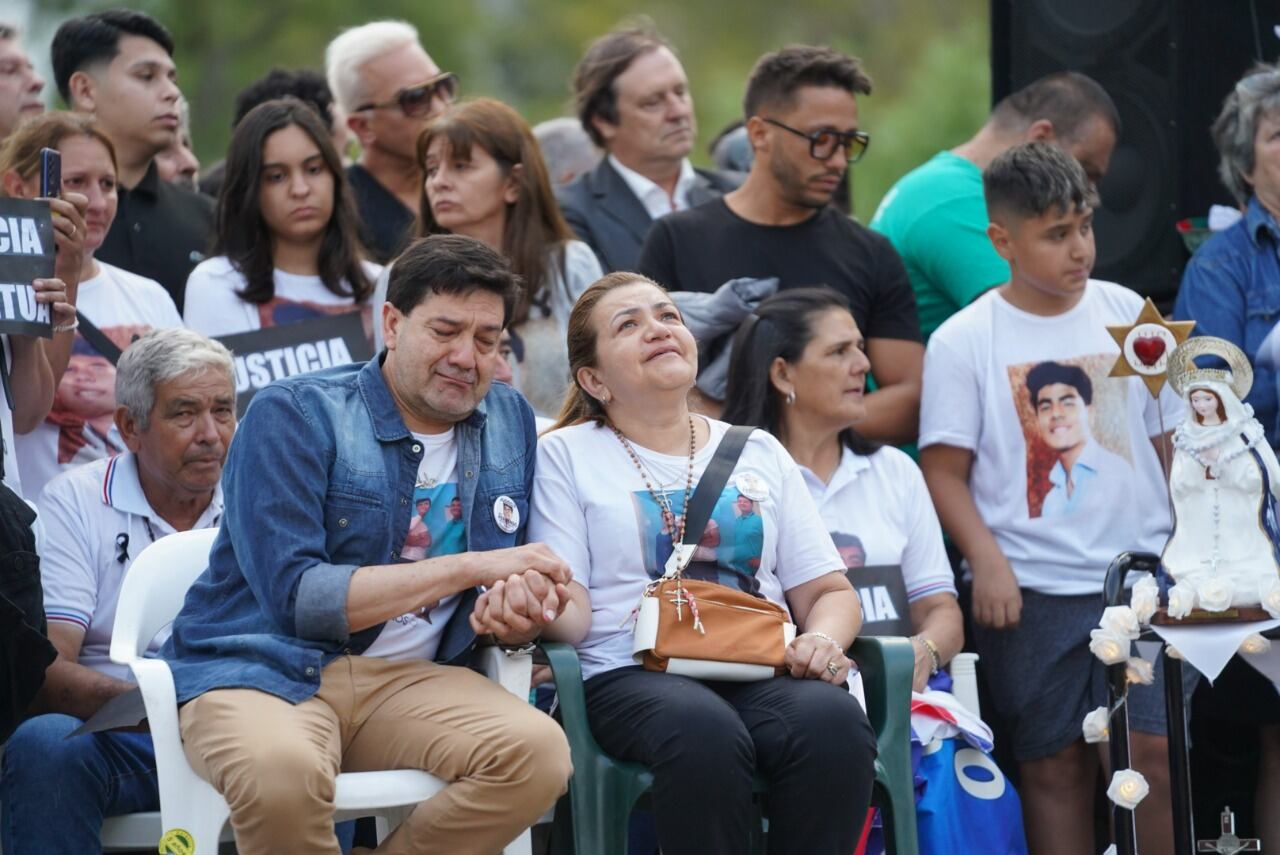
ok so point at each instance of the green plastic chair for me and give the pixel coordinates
(603, 791)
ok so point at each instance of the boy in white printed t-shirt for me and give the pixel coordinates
(1043, 469)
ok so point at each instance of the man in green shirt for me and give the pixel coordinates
(935, 215)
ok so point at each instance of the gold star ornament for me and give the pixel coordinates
(1145, 346)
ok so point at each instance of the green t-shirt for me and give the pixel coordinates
(936, 217)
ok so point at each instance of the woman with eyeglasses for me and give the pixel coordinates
(799, 371)
(286, 248)
(1231, 289)
(485, 178)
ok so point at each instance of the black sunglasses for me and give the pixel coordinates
(415, 101)
(823, 144)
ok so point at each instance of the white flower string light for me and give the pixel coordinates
(1128, 788)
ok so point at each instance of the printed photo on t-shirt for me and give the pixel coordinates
(1075, 421)
(729, 549)
(851, 550)
(279, 311)
(436, 528)
(84, 405)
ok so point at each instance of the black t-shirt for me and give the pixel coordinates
(161, 231)
(703, 247)
(385, 222)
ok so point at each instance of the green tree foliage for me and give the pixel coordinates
(928, 58)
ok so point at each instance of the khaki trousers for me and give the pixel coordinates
(275, 762)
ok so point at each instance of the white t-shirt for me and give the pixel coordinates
(878, 511)
(436, 528)
(976, 397)
(96, 522)
(214, 307)
(591, 507)
(80, 427)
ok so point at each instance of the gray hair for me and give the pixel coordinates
(1256, 96)
(566, 148)
(352, 49)
(1033, 178)
(159, 356)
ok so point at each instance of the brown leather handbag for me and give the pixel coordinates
(703, 629)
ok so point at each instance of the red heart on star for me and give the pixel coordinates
(1149, 349)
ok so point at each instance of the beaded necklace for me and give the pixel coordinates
(662, 500)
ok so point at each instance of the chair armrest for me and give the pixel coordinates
(887, 665)
(572, 700)
(512, 672)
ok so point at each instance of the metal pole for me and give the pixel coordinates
(1179, 757)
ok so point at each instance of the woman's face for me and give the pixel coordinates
(296, 187)
(1265, 176)
(642, 344)
(1205, 403)
(831, 373)
(466, 194)
(87, 169)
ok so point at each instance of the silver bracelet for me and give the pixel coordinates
(71, 327)
(824, 635)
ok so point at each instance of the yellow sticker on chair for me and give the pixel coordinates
(177, 841)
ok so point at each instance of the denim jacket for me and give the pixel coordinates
(319, 481)
(1231, 289)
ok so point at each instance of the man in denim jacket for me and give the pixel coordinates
(310, 647)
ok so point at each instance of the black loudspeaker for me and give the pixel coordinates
(1167, 64)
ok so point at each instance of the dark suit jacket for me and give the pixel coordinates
(602, 210)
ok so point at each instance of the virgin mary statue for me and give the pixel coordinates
(1224, 481)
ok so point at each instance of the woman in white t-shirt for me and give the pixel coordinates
(80, 426)
(286, 248)
(485, 178)
(609, 496)
(799, 371)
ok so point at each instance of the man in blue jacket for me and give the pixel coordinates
(311, 647)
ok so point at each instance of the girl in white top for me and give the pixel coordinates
(485, 178)
(287, 248)
(609, 494)
(799, 370)
(80, 426)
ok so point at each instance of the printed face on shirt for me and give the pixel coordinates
(729, 549)
(655, 113)
(468, 195)
(88, 387)
(851, 550)
(800, 178)
(183, 447)
(20, 87)
(1063, 417)
(441, 356)
(134, 98)
(296, 188)
(642, 345)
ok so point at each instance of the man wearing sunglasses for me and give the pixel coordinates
(936, 215)
(388, 89)
(802, 122)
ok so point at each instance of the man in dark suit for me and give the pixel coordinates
(632, 96)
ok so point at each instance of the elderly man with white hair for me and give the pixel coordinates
(176, 410)
(389, 89)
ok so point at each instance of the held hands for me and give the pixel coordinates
(813, 657)
(526, 591)
(997, 600)
(500, 564)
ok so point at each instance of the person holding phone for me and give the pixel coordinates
(286, 246)
(114, 306)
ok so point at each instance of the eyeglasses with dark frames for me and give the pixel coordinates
(823, 144)
(415, 101)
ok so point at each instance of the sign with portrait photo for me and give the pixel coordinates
(264, 356)
(26, 254)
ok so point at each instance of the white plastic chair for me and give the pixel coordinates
(964, 681)
(150, 597)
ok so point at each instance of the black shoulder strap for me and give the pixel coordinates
(98, 339)
(712, 482)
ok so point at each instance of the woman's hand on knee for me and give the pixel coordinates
(815, 657)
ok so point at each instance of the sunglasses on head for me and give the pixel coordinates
(415, 101)
(823, 144)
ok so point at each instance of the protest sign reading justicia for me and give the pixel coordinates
(26, 254)
(271, 354)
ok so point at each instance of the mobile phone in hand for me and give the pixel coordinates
(50, 173)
